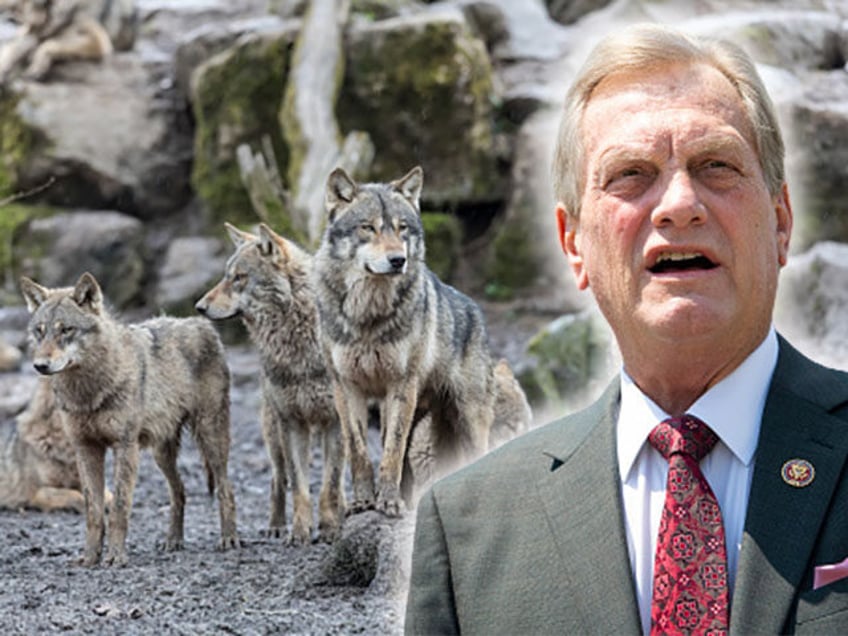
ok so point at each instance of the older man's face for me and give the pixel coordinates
(678, 236)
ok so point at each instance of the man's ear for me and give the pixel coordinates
(783, 210)
(569, 238)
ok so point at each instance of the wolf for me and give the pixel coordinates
(37, 465)
(267, 283)
(56, 30)
(393, 332)
(128, 387)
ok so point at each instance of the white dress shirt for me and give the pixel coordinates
(733, 408)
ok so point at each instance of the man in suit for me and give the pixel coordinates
(673, 209)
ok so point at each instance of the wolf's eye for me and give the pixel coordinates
(239, 278)
(39, 330)
(68, 330)
(402, 227)
(368, 227)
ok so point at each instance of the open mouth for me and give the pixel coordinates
(670, 262)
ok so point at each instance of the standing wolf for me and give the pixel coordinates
(128, 387)
(393, 331)
(267, 283)
(55, 30)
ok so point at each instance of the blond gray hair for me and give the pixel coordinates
(644, 46)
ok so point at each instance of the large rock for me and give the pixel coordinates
(818, 163)
(813, 302)
(570, 11)
(236, 98)
(421, 87)
(56, 250)
(100, 132)
(573, 356)
(191, 266)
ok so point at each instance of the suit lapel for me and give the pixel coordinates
(783, 521)
(581, 495)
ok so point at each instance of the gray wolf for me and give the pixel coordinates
(55, 30)
(37, 463)
(128, 387)
(267, 283)
(393, 332)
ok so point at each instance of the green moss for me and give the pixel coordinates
(236, 101)
(12, 217)
(424, 93)
(443, 234)
(513, 263)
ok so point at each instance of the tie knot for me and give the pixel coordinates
(685, 434)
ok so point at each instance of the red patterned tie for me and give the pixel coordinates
(690, 569)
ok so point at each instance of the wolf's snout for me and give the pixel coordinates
(397, 262)
(201, 306)
(42, 367)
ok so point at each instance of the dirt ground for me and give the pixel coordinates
(264, 587)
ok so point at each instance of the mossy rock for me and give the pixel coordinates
(236, 98)
(12, 217)
(513, 263)
(443, 235)
(16, 143)
(421, 87)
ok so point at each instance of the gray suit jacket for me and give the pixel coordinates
(531, 538)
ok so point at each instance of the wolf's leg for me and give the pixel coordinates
(331, 501)
(212, 434)
(165, 455)
(352, 408)
(49, 498)
(400, 404)
(272, 434)
(297, 448)
(126, 472)
(90, 460)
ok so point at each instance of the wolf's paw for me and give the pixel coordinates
(274, 532)
(359, 505)
(329, 532)
(171, 544)
(229, 542)
(390, 505)
(301, 535)
(86, 561)
(115, 558)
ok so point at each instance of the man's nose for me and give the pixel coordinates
(679, 204)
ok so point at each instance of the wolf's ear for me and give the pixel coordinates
(410, 185)
(340, 189)
(272, 244)
(238, 237)
(33, 293)
(87, 293)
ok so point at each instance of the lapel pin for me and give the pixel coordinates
(798, 473)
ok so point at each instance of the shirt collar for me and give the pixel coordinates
(733, 408)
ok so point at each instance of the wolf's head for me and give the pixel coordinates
(261, 275)
(63, 322)
(375, 225)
